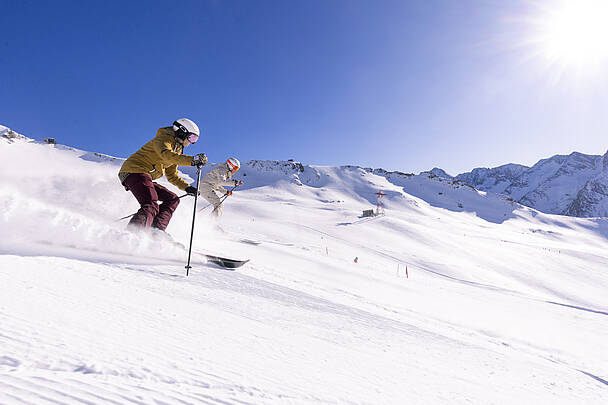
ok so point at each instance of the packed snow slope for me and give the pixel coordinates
(500, 304)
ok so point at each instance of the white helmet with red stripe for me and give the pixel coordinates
(233, 164)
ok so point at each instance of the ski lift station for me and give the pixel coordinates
(379, 206)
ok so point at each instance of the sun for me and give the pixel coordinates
(572, 35)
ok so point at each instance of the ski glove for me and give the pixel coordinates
(191, 191)
(238, 183)
(200, 159)
(228, 192)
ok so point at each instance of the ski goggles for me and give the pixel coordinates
(192, 137)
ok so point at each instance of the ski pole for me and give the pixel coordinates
(221, 201)
(224, 198)
(198, 180)
(129, 216)
(205, 207)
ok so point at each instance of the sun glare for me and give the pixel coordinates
(572, 35)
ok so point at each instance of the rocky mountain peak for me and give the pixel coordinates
(562, 184)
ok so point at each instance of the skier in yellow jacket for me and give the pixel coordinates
(160, 156)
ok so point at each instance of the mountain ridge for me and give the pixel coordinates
(573, 185)
(570, 185)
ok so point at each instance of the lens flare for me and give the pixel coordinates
(572, 35)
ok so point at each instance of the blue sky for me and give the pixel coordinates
(402, 85)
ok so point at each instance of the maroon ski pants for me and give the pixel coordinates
(147, 194)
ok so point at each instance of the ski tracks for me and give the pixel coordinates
(201, 340)
(60, 345)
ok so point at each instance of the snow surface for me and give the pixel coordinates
(503, 304)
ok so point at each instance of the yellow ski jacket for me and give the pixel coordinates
(159, 156)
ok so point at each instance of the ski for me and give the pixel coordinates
(223, 261)
(250, 241)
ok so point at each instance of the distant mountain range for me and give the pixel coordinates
(574, 185)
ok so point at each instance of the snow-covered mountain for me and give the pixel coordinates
(457, 296)
(7, 135)
(570, 185)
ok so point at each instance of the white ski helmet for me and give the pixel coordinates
(233, 164)
(184, 127)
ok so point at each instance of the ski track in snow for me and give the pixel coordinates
(507, 306)
(165, 374)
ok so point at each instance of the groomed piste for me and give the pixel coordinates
(501, 304)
